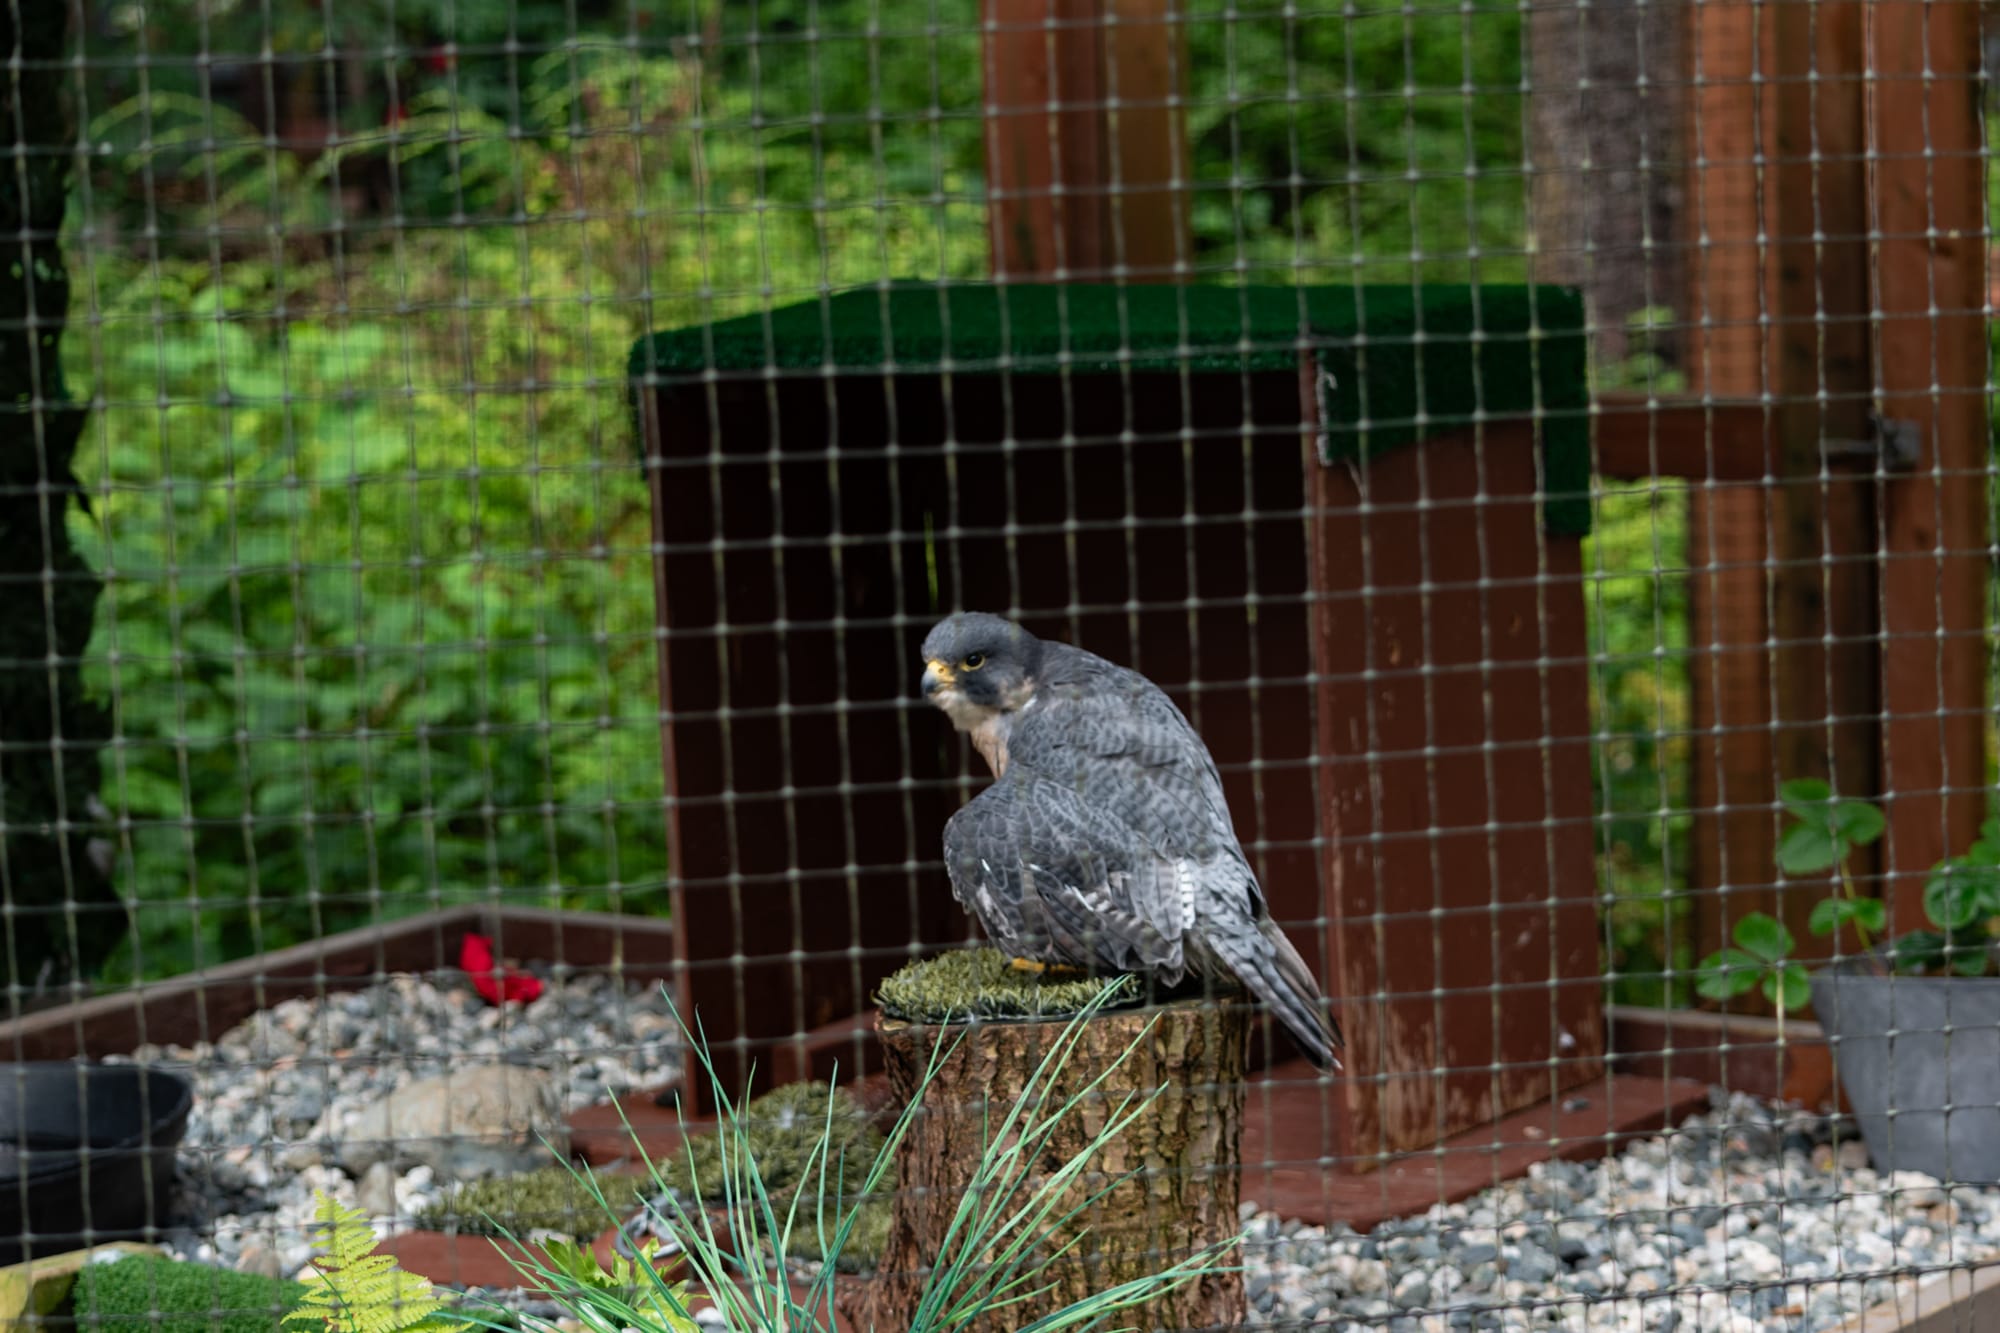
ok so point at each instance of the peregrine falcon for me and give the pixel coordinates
(1104, 842)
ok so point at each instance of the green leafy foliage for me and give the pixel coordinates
(1826, 829)
(1966, 888)
(352, 1289)
(578, 1267)
(1759, 960)
(1830, 914)
(1636, 599)
(1961, 898)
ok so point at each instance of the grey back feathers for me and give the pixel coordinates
(1106, 841)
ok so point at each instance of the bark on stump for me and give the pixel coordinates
(1185, 1150)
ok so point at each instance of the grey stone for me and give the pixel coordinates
(1532, 1264)
(486, 1120)
(260, 1261)
(376, 1194)
(305, 1106)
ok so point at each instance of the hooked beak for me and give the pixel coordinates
(937, 676)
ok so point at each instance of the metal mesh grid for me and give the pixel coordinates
(431, 417)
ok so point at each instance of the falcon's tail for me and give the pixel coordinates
(1266, 962)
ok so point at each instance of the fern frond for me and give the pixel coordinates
(352, 1289)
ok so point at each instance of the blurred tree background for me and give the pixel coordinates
(355, 285)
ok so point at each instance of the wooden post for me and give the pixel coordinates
(1782, 598)
(1605, 127)
(1823, 594)
(1930, 346)
(1182, 1158)
(1731, 784)
(1086, 139)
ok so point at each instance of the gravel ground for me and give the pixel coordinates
(247, 1181)
(1737, 1222)
(1742, 1220)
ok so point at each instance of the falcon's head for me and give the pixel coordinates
(977, 666)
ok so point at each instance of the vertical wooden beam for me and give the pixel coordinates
(1839, 334)
(1784, 600)
(1044, 137)
(1146, 55)
(1930, 352)
(1729, 671)
(1822, 597)
(1087, 156)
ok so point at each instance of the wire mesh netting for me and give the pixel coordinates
(1483, 520)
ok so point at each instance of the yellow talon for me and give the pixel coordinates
(1049, 971)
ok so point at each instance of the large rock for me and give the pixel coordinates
(482, 1121)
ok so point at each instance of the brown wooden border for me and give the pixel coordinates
(203, 1005)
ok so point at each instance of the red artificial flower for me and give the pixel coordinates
(496, 985)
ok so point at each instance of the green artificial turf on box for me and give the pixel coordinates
(154, 1294)
(1398, 364)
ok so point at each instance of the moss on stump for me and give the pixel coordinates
(1177, 1168)
(982, 983)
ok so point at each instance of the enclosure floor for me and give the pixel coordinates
(1287, 1143)
(1287, 1146)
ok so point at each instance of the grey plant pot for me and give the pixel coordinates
(1919, 1059)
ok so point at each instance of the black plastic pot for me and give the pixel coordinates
(86, 1154)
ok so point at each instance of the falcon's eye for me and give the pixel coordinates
(974, 661)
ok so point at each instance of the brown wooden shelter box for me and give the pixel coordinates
(1340, 525)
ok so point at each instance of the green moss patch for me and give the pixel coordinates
(154, 1294)
(781, 1130)
(980, 983)
(552, 1199)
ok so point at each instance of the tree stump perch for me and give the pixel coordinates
(1177, 1167)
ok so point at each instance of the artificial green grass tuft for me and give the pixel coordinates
(979, 983)
(155, 1294)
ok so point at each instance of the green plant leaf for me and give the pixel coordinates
(1984, 851)
(1830, 914)
(1962, 891)
(1973, 963)
(1763, 937)
(1788, 987)
(1804, 796)
(1808, 849)
(1726, 974)
(1858, 822)
(1918, 951)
